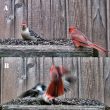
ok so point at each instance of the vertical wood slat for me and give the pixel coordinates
(99, 22)
(30, 72)
(2, 19)
(49, 18)
(9, 77)
(107, 81)
(18, 12)
(91, 79)
(21, 76)
(0, 81)
(108, 25)
(6, 19)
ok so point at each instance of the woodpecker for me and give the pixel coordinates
(28, 34)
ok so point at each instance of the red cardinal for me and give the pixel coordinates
(56, 86)
(80, 40)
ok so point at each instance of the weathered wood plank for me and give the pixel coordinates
(21, 75)
(6, 19)
(107, 81)
(46, 73)
(0, 80)
(99, 22)
(2, 20)
(10, 69)
(30, 73)
(74, 71)
(108, 25)
(43, 50)
(91, 79)
(77, 12)
(54, 107)
(19, 14)
(49, 17)
(39, 17)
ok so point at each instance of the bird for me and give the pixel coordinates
(28, 34)
(37, 91)
(57, 85)
(80, 40)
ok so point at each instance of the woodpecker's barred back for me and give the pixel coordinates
(38, 37)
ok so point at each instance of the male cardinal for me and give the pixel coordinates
(80, 40)
(57, 86)
(28, 34)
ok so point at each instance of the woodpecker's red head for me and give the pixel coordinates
(23, 25)
(72, 29)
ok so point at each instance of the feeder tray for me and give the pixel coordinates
(48, 48)
(57, 104)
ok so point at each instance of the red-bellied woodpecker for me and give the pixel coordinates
(28, 34)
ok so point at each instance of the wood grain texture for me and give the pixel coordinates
(9, 77)
(91, 79)
(99, 22)
(55, 107)
(43, 50)
(6, 19)
(0, 81)
(18, 12)
(108, 25)
(107, 81)
(30, 72)
(52, 18)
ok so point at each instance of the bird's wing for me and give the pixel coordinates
(38, 89)
(68, 81)
(29, 93)
(38, 37)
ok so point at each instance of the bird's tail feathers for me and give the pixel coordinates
(99, 48)
(55, 88)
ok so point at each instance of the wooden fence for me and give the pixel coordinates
(52, 18)
(20, 74)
